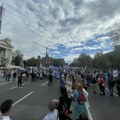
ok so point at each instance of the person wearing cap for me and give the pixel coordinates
(5, 109)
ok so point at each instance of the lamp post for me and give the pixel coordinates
(38, 62)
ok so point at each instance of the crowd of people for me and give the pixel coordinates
(73, 88)
(74, 84)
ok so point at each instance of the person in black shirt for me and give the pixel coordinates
(50, 79)
(20, 80)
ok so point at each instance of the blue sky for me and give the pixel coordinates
(67, 27)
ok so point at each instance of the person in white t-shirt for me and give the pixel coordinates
(53, 113)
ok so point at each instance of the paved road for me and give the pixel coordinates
(104, 107)
(30, 102)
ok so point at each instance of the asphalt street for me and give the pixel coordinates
(30, 101)
(104, 107)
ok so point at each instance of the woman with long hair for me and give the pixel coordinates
(79, 102)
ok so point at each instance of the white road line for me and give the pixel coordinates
(113, 93)
(89, 114)
(22, 98)
(16, 86)
(13, 87)
(44, 83)
(5, 83)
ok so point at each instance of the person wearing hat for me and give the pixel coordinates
(5, 109)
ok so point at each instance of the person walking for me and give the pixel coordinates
(20, 80)
(14, 76)
(94, 83)
(101, 84)
(111, 84)
(50, 79)
(9, 76)
(62, 82)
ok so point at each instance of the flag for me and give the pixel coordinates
(1, 14)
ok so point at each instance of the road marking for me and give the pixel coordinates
(16, 86)
(113, 93)
(5, 83)
(22, 98)
(89, 114)
(44, 83)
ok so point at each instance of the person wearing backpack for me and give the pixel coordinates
(79, 102)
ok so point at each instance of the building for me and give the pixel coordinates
(7, 57)
(46, 61)
(5, 52)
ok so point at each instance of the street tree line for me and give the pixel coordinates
(104, 61)
(44, 62)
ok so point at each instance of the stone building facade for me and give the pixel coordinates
(5, 51)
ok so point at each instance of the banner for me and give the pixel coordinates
(1, 14)
(115, 73)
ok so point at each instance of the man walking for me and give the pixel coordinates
(20, 80)
(14, 76)
(50, 79)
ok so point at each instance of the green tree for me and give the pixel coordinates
(57, 62)
(17, 60)
(101, 62)
(74, 63)
(84, 60)
(25, 63)
(32, 62)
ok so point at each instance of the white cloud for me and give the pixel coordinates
(34, 24)
(70, 58)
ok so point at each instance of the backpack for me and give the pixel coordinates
(81, 98)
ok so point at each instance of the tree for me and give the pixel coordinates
(58, 62)
(74, 63)
(84, 60)
(25, 63)
(32, 62)
(101, 62)
(17, 60)
(38, 62)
